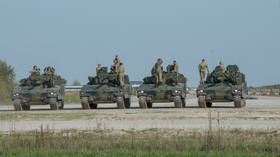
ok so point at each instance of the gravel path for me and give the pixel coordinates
(262, 114)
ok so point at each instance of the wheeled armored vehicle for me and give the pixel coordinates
(105, 88)
(172, 89)
(39, 90)
(220, 86)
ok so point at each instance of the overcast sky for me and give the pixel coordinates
(75, 35)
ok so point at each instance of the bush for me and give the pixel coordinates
(7, 77)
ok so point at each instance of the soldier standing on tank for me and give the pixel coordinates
(175, 67)
(116, 64)
(98, 68)
(157, 71)
(222, 66)
(202, 70)
(121, 74)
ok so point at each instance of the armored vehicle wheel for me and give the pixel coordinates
(120, 103)
(209, 104)
(93, 106)
(18, 105)
(127, 102)
(150, 104)
(53, 104)
(143, 102)
(239, 102)
(201, 102)
(178, 102)
(61, 105)
(183, 102)
(85, 103)
(25, 107)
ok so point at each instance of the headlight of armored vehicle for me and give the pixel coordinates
(235, 91)
(201, 91)
(16, 94)
(140, 91)
(52, 93)
(177, 91)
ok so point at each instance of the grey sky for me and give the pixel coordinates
(74, 36)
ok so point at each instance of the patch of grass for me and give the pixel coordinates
(72, 98)
(118, 153)
(159, 142)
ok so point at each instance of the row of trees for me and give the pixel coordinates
(7, 77)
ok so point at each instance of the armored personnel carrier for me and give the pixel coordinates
(105, 88)
(39, 90)
(172, 89)
(222, 86)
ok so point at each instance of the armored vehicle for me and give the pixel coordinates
(39, 90)
(172, 89)
(106, 88)
(223, 86)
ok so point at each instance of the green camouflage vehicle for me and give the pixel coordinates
(173, 89)
(104, 89)
(39, 90)
(222, 86)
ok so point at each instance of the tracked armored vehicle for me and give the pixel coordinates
(228, 86)
(39, 90)
(105, 88)
(172, 89)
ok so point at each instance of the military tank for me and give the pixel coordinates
(172, 89)
(220, 86)
(105, 88)
(39, 90)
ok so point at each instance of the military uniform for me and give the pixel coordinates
(121, 75)
(157, 71)
(202, 71)
(98, 68)
(175, 68)
(222, 66)
(116, 64)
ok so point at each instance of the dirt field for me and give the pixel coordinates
(262, 114)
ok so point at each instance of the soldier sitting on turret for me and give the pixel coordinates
(174, 67)
(35, 69)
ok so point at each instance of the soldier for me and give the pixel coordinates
(157, 71)
(202, 70)
(116, 64)
(175, 67)
(48, 71)
(98, 68)
(34, 69)
(222, 66)
(121, 74)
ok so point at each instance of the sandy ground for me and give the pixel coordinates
(261, 114)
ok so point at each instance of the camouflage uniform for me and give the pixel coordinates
(121, 75)
(116, 64)
(98, 68)
(202, 70)
(175, 68)
(34, 69)
(222, 66)
(157, 71)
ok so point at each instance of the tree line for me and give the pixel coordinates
(7, 77)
